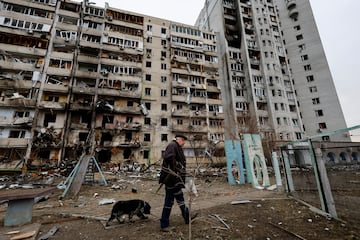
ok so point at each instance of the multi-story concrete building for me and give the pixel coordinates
(79, 78)
(75, 78)
(274, 69)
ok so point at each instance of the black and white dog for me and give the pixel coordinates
(130, 207)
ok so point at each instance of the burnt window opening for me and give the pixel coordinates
(44, 154)
(146, 154)
(163, 107)
(147, 121)
(147, 137)
(107, 119)
(128, 136)
(83, 136)
(164, 137)
(164, 122)
(104, 156)
(129, 119)
(127, 153)
(17, 134)
(105, 137)
(49, 118)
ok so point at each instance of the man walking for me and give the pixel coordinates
(173, 173)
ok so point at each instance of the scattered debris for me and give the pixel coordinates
(216, 217)
(50, 233)
(240, 202)
(285, 230)
(24, 235)
(106, 201)
(12, 232)
(272, 187)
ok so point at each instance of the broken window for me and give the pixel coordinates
(148, 91)
(147, 137)
(164, 137)
(315, 101)
(107, 119)
(313, 89)
(310, 78)
(147, 121)
(163, 107)
(49, 118)
(18, 114)
(319, 113)
(148, 105)
(163, 92)
(94, 11)
(146, 154)
(17, 134)
(105, 137)
(322, 125)
(83, 136)
(164, 122)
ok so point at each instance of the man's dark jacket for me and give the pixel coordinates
(173, 169)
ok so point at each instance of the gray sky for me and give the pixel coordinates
(336, 23)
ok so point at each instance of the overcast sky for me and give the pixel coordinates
(336, 21)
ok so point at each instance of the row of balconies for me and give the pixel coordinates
(17, 102)
(187, 60)
(16, 122)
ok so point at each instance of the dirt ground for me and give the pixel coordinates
(258, 214)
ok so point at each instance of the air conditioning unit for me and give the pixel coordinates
(162, 58)
(110, 18)
(30, 31)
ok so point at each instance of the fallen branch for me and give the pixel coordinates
(216, 217)
(220, 228)
(287, 231)
(85, 217)
(66, 219)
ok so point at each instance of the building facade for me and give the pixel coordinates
(274, 68)
(78, 78)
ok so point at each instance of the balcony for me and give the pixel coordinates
(291, 4)
(18, 102)
(14, 142)
(52, 105)
(63, 88)
(122, 93)
(84, 90)
(16, 121)
(76, 106)
(293, 13)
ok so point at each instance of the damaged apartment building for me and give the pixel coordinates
(77, 78)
